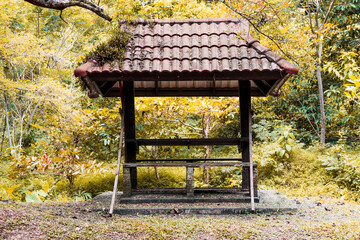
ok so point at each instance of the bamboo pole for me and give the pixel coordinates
(113, 199)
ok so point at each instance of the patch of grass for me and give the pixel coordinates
(81, 221)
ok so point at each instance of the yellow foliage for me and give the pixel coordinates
(182, 9)
(10, 191)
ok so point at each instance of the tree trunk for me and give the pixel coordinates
(71, 179)
(319, 47)
(7, 120)
(21, 129)
(207, 148)
(3, 134)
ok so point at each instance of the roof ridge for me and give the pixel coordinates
(190, 20)
(191, 58)
(185, 34)
(272, 56)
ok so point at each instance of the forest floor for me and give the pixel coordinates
(316, 218)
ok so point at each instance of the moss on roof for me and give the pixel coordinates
(108, 51)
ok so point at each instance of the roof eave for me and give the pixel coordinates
(114, 76)
(287, 66)
(83, 69)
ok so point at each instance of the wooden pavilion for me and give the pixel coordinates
(192, 57)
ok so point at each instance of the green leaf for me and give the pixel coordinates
(11, 189)
(357, 84)
(288, 147)
(41, 193)
(282, 152)
(32, 197)
(292, 136)
(348, 94)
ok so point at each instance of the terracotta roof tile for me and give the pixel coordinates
(191, 46)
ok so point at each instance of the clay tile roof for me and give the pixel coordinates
(190, 57)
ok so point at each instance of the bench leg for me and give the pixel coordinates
(190, 181)
(126, 182)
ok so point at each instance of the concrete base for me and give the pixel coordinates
(187, 200)
(269, 201)
(105, 198)
(196, 197)
(200, 211)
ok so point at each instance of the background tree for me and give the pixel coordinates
(319, 13)
(184, 117)
(43, 110)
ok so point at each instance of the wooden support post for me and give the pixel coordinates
(190, 181)
(245, 112)
(130, 143)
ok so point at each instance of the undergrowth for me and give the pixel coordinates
(333, 171)
(314, 171)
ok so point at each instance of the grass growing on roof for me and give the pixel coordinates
(109, 51)
(112, 49)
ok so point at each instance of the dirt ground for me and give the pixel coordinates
(316, 218)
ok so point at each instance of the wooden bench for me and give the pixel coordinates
(190, 164)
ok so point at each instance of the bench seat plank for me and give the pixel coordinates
(188, 160)
(188, 164)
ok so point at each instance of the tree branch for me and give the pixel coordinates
(328, 13)
(310, 19)
(254, 25)
(179, 121)
(317, 16)
(181, 133)
(62, 4)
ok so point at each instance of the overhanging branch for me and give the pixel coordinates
(255, 25)
(62, 4)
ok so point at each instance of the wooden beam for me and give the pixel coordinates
(106, 87)
(187, 76)
(181, 92)
(188, 160)
(190, 141)
(188, 164)
(262, 87)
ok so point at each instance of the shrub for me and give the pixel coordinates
(342, 166)
(95, 184)
(171, 177)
